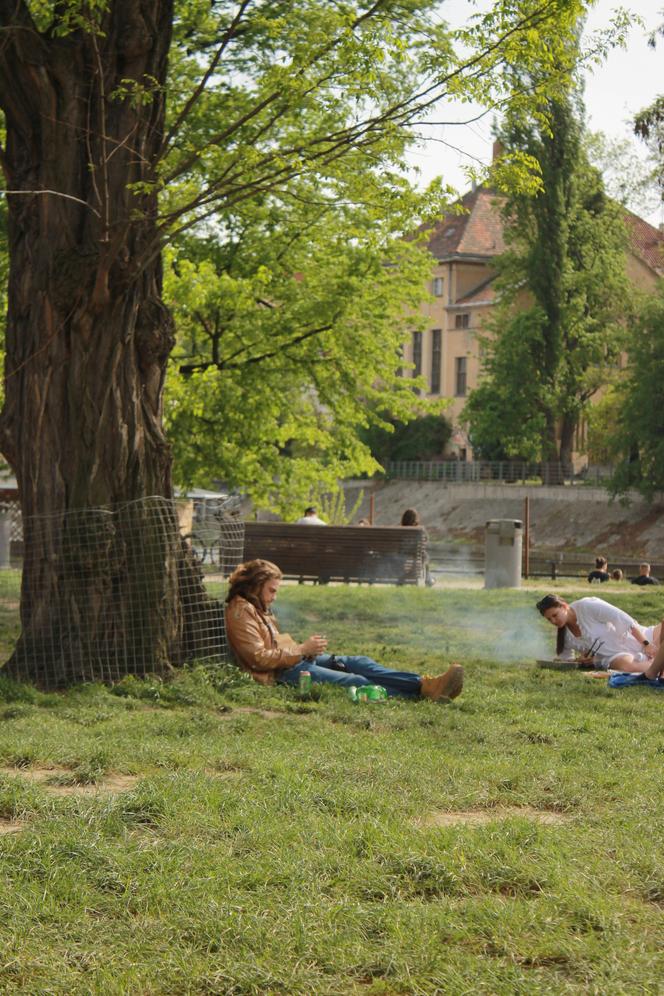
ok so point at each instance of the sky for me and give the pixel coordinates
(626, 82)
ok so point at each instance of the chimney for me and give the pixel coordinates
(498, 149)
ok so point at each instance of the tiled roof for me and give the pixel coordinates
(476, 232)
(647, 242)
(479, 232)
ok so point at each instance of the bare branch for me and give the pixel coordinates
(102, 122)
(54, 193)
(226, 364)
(228, 35)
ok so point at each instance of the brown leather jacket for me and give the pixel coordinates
(258, 645)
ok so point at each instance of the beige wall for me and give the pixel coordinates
(460, 278)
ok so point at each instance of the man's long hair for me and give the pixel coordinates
(248, 579)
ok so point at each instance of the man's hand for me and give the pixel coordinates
(313, 646)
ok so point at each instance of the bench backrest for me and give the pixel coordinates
(339, 553)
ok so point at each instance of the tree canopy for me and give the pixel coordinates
(278, 182)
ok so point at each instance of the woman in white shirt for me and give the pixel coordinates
(594, 628)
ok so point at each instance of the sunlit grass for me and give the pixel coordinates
(274, 845)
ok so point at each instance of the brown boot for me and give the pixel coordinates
(445, 686)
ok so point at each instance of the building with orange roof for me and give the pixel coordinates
(464, 245)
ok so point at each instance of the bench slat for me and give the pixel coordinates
(344, 553)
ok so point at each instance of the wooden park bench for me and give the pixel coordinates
(390, 554)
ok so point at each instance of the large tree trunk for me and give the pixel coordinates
(568, 427)
(88, 340)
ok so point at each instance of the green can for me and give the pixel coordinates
(305, 682)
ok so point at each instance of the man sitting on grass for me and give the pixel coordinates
(645, 577)
(271, 656)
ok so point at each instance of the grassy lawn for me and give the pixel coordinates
(213, 836)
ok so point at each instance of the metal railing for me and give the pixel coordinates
(488, 471)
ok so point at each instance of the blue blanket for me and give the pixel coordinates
(627, 680)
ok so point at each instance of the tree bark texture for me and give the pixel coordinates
(88, 335)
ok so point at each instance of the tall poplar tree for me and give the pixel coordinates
(563, 298)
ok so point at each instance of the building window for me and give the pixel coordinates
(437, 286)
(460, 376)
(417, 354)
(462, 321)
(436, 340)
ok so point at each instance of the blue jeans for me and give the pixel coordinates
(359, 671)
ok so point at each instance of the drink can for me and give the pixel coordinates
(352, 693)
(305, 682)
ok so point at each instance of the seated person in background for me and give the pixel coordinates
(600, 573)
(310, 518)
(617, 574)
(271, 656)
(645, 576)
(411, 517)
(617, 641)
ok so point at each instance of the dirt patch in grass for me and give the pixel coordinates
(265, 713)
(60, 781)
(478, 817)
(11, 826)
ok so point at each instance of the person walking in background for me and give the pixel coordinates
(411, 517)
(645, 577)
(270, 656)
(594, 628)
(600, 573)
(310, 518)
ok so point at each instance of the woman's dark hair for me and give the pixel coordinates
(600, 563)
(248, 579)
(410, 518)
(553, 602)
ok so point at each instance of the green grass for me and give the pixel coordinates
(266, 844)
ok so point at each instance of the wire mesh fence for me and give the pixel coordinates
(487, 471)
(216, 533)
(108, 592)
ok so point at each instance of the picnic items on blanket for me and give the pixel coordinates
(624, 680)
